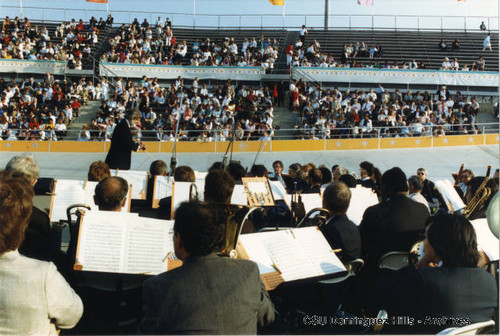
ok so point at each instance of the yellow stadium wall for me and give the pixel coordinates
(255, 146)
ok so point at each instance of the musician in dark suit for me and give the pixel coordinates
(339, 231)
(122, 144)
(208, 294)
(447, 285)
(395, 223)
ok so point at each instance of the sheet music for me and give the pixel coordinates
(163, 187)
(361, 199)
(257, 251)
(486, 239)
(278, 190)
(149, 241)
(102, 240)
(181, 192)
(311, 201)
(239, 195)
(450, 195)
(289, 257)
(124, 243)
(137, 178)
(67, 192)
(316, 248)
(257, 187)
(200, 175)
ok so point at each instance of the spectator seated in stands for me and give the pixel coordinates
(140, 45)
(22, 41)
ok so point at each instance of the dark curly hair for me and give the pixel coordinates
(454, 240)
(200, 232)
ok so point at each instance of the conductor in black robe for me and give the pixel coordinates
(122, 144)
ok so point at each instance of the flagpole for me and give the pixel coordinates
(284, 23)
(373, 19)
(194, 13)
(21, 8)
(107, 7)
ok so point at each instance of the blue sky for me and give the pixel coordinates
(297, 11)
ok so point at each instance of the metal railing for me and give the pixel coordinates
(316, 133)
(263, 21)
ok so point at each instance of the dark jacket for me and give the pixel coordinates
(207, 295)
(343, 234)
(122, 145)
(392, 225)
(36, 242)
(438, 297)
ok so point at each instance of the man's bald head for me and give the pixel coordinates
(337, 197)
(110, 193)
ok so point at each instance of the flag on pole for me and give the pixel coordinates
(462, 0)
(277, 2)
(362, 2)
(98, 1)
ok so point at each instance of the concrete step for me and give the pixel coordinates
(87, 113)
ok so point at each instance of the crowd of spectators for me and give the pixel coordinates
(42, 110)
(197, 113)
(71, 41)
(142, 43)
(326, 113)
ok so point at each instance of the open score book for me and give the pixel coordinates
(118, 242)
(287, 255)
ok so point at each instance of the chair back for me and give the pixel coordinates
(471, 329)
(394, 261)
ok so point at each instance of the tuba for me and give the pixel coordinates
(235, 218)
(480, 197)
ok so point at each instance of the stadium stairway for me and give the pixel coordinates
(87, 113)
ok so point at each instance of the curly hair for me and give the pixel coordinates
(200, 232)
(16, 205)
(97, 171)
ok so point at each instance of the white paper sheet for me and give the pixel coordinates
(486, 239)
(67, 192)
(137, 178)
(361, 199)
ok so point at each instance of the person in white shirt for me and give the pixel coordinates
(487, 42)
(303, 33)
(415, 186)
(446, 65)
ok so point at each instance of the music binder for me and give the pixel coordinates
(116, 242)
(289, 255)
(69, 192)
(486, 240)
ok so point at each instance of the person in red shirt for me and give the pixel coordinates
(75, 105)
